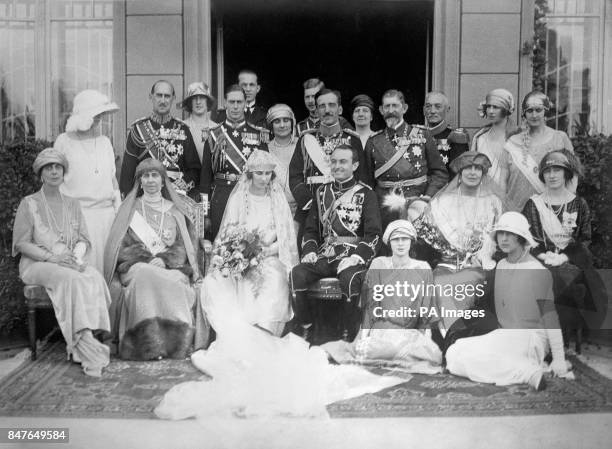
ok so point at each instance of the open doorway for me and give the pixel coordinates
(355, 46)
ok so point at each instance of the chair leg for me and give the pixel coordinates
(579, 339)
(32, 330)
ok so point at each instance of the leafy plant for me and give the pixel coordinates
(595, 152)
(16, 181)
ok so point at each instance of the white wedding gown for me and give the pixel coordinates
(255, 374)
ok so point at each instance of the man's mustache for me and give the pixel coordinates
(392, 114)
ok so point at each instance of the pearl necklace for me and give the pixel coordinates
(51, 217)
(161, 222)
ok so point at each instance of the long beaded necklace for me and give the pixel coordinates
(51, 217)
(159, 231)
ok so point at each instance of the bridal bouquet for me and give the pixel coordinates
(238, 251)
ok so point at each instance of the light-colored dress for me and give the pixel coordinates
(156, 311)
(80, 299)
(90, 180)
(494, 149)
(263, 297)
(522, 160)
(401, 341)
(512, 354)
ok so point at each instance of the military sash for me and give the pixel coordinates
(526, 164)
(233, 154)
(146, 234)
(147, 135)
(397, 155)
(316, 154)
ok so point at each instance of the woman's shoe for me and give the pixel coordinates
(92, 371)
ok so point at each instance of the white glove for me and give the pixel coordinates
(79, 252)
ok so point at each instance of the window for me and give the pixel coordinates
(574, 63)
(53, 50)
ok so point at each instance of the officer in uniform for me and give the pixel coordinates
(310, 164)
(312, 87)
(254, 113)
(164, 138)
(341, 237)
(451, 142)
(226, 152)
(403, 160)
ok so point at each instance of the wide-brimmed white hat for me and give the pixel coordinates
(515, 223)
(86, 106)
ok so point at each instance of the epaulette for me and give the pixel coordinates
(180, 120)
(420, 127)
(351, 132)
(264, 133)
(138, 120)
(363, 184)
(311, 130)
(459, 135)
(376, 133)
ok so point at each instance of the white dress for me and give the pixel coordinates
(263, 301)
(90, 180)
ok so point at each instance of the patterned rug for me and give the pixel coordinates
(51, 386)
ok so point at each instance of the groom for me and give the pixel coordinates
(341, 237)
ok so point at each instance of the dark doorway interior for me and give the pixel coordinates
(354, 46)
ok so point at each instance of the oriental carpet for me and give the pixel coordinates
(51, 386)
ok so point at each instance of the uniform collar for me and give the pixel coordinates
(161, 119)
(234, 125)
(398, 128)
(327, 131)
(250, 105)
(344, 185)
(434, 130)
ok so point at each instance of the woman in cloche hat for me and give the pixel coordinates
(198, 103)
(529, 325)
(51, 236)
(561, 222)
(91, 178)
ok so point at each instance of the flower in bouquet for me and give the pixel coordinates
(237, 251)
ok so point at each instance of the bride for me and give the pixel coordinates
(255, 373)
(261, 297)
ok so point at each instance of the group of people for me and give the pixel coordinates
(121, 260)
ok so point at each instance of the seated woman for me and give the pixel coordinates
(396, 328)
(152, 252)
(561, 223)
(51, 236)
(524, 151)
(261, 297)
(529, 324)
(455, 226)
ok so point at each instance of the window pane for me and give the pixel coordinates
(17, 82)
(81, 58)
(572, 71)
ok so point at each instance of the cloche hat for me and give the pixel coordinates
(515, 223)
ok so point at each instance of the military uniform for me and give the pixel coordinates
(309, 124)
(255, 115)
(343, 222)
(223, 160)
(169, 142)
(309, 166)
(404, 159)
(451, 142)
